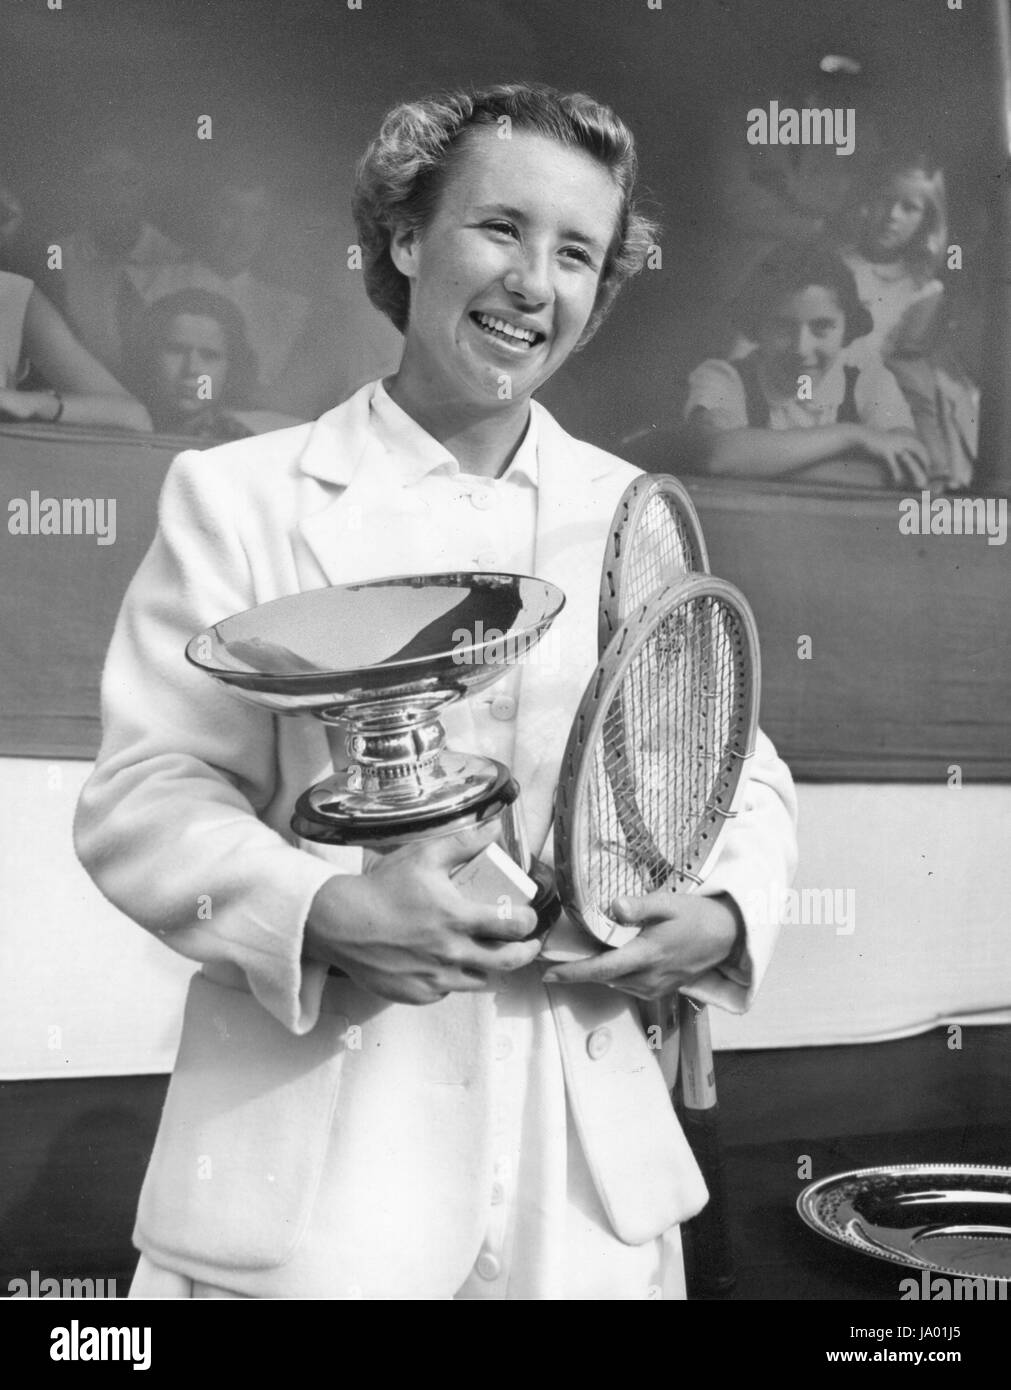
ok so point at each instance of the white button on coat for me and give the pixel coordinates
(503, 1048)
(503, 707)
(598, 1043)
(482, 499)
(488, 1266)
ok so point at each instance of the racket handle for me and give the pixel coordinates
(709, 1255)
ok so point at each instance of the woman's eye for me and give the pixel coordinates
(577, 253)
(506, 228)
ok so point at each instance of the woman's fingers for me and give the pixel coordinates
(910, 467)
(505, 955)
(450, 851)
(651, 907)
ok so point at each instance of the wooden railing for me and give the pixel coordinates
(905, 671)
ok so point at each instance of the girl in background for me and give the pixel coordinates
(797, 400)
(900, 244)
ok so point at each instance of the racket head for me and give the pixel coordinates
(655, 539)
(656, 755)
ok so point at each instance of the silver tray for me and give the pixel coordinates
(951, 1218)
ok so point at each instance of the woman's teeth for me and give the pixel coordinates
(500, 329)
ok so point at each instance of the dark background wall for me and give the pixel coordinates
(301, 86)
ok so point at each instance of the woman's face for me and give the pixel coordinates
(895, 216)
(505, 275)
(191, 362)
(802, 337)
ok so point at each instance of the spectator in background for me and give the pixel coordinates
(768, 194)
(195, 369)
(237, 223)
(797, 401)
(32, 331)
(900, 245)
(113, 238)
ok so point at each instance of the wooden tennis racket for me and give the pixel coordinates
(655, 538)
(655, 757)
(652, 769)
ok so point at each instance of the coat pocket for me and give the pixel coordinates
(244, 1133)
(645, 1174)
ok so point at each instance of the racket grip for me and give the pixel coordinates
(709, 1254)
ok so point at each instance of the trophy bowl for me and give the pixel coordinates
(383, 659)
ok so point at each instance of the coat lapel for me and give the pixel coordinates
(360, 482)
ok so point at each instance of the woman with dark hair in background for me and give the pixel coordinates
(195, 369)
(796, 400)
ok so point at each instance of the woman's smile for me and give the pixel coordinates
(513, 336)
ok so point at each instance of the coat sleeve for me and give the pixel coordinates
(167, 824)
(756, 864)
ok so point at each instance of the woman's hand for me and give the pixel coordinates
(683, 936)
(403, 930)
(902, 453)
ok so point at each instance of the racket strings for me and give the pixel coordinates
(664, 765)
(662, 547)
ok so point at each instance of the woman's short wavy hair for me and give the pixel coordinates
(402, 173)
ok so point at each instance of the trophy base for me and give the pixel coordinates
(469, 790)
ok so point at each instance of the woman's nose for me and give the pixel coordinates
(529, 278)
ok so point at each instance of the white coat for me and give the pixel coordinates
(184, 826)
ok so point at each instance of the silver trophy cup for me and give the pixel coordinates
(381, 660)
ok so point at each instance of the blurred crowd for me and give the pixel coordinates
(842, 343)
(846, 323)
(111, 322)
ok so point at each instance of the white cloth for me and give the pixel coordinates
(887, 291)
(15, 292)
(546, 1234)
(942, 399)
(315, 1138)
(716, 387)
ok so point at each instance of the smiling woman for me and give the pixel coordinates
(473, 1147)
(498, 228)
(503, 280)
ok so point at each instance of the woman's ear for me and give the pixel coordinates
(404, 246)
